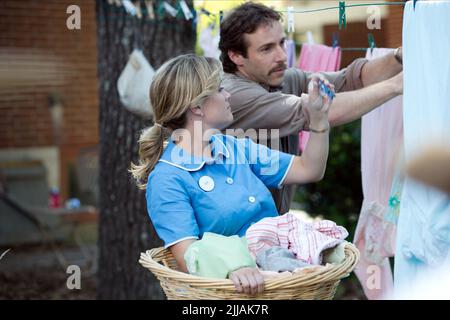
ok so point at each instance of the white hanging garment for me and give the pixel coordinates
(133, 85)
(209, 43)
(423, 237)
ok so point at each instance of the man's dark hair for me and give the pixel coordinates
(244, 19)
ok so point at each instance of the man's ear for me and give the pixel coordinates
(237, 58)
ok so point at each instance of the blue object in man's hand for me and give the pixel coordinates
(325, 90)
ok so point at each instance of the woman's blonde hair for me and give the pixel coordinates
(185, 81)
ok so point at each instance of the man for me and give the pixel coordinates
(267, 95)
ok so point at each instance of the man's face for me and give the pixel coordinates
(266, 55)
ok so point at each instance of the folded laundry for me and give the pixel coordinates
(306, 241)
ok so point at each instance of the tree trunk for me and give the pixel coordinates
(124, 227)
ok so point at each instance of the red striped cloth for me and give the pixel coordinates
(306, 240)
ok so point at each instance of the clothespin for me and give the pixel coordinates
(414, 4)
(184, 7)
(342, 15)
(335, 40)
(208, 14)
(290, 19)
(220, 17)
(137, 6)
(168, 8)
(150, 10)
(194, 20)
(310, 37)
(204, 11)
(371, 42)
(160, 11)
(129, 7)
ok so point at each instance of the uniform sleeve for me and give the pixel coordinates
(170, 209)
(270, 166)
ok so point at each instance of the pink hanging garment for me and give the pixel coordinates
(315, 58)
(381, 140)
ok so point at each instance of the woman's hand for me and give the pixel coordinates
(248, 280)
(316, 103)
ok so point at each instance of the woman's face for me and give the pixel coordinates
(216, 110)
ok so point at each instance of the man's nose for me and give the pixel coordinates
(281, 54)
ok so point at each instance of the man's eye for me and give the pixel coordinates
(220, 89)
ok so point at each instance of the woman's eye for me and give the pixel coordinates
(220, 89)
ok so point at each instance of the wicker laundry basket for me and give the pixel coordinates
(319, 284)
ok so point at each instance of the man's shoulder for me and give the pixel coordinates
(294, 81)
(293, 72)
(232, 82)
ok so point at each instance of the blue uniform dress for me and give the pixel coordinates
(188, 196)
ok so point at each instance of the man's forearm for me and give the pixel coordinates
(380, 69)
(352, 105)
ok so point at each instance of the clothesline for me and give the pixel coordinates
(164, 6)
(342, 14)
(337, 7)
(347, 6)
(342, 48)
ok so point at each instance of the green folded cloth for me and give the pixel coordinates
(216, 256)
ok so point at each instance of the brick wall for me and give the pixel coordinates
(41, 56)
(394, 26)
(356, 34)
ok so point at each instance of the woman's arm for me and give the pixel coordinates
(310, 167)
(178, 250)
(247, 280)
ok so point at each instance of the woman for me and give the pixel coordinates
(199, 181)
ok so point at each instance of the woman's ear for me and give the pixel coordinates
(197, 110)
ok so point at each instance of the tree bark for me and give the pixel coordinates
(124, 227)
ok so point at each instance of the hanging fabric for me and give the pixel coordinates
(423, 237)
(133, 85)
(381, 140)
(208, 40)
(290, 52)
(319, 57)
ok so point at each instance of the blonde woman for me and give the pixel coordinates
(199, 181)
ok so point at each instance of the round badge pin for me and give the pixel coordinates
(206, 183)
